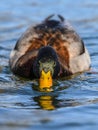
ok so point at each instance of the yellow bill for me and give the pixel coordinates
(45, 80)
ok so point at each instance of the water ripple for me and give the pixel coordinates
(73, 103)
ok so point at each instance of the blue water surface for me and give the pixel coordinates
(74, 103)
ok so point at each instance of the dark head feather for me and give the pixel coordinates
(46, 55)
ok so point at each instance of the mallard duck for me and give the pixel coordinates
(49, 50)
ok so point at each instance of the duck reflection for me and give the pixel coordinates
(48, 102)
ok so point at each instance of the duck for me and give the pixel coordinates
(49, 50)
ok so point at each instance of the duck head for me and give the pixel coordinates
(46, 67)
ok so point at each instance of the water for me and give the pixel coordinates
(74, 103)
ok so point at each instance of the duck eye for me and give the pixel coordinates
(54, 64)
(39, 62)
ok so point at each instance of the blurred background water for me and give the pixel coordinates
(74, 103)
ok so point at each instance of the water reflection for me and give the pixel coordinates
(48, 102)
(23, 108)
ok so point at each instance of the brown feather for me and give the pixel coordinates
(54, 39)
(57, 34)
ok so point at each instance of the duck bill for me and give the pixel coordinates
(45, 80)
